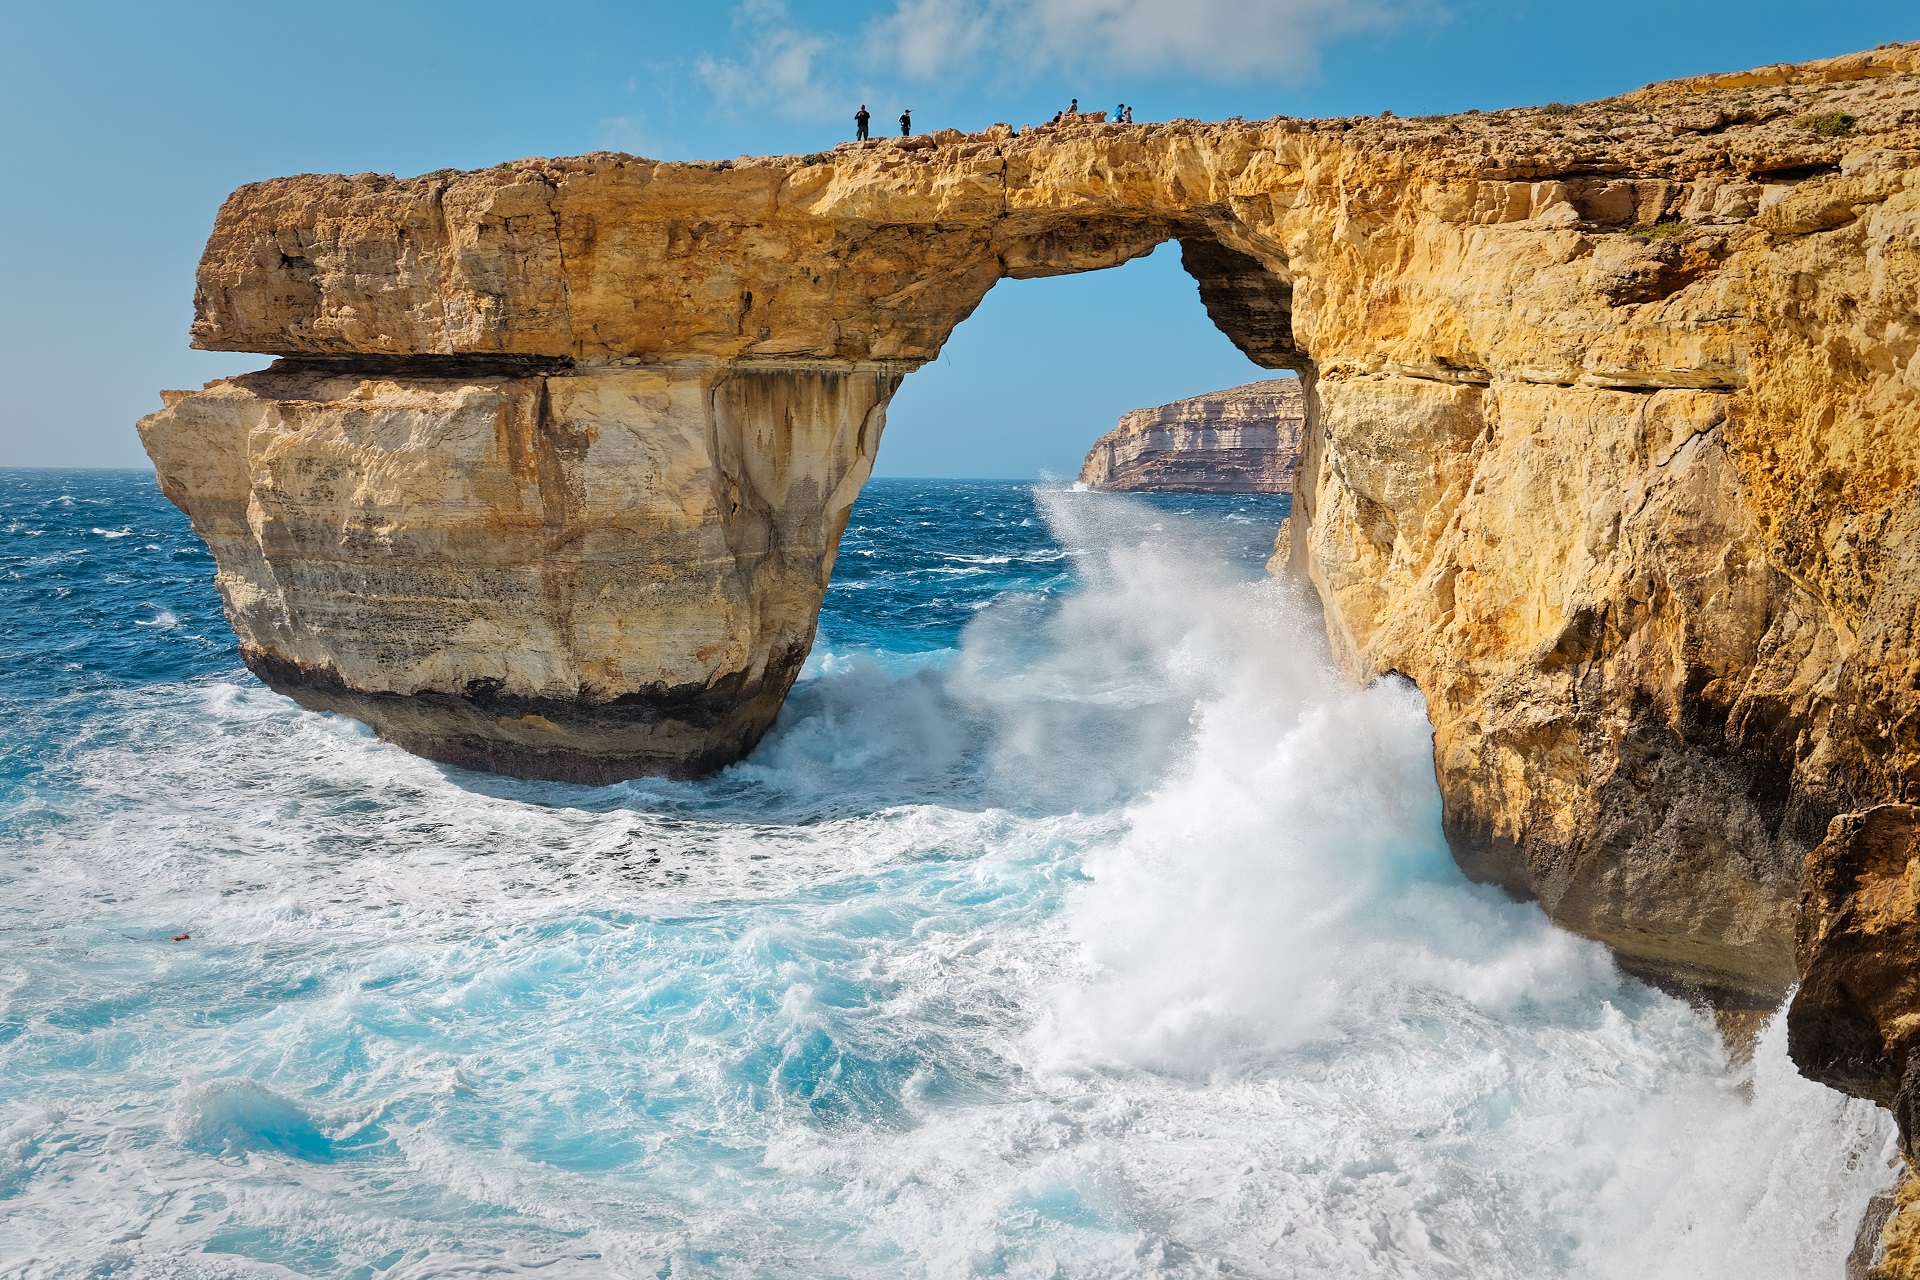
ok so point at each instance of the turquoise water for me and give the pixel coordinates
(1075, 920)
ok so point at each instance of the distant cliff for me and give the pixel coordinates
(1245, 439)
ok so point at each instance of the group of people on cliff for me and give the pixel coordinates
(1122, 114)
(863, 119)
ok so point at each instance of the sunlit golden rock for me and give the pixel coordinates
(1613, 435)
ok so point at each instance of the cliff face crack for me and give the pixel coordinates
(423, 366)
(560, 259)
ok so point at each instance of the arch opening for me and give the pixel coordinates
(1027, 388)
(1046, 365)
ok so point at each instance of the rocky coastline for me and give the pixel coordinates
(1245, 439)
(1611, 447)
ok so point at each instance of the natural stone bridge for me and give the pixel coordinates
(1614, 432)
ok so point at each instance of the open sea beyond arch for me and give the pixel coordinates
(1075, 920)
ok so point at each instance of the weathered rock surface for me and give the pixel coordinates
(1898, 1254)
(1855, 1021)
(581, 575)
(1612, 447)
(1245, 439)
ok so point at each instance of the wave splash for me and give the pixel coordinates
(234, 1117)
(1117, 939)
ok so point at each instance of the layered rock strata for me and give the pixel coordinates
(1613, 435)
(573, 574)
(1245, 439)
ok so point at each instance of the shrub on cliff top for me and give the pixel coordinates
(1831, 125)
(1559, 108)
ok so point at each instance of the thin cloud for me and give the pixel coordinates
(1228, 39)
(624, 133)
(789, 68)
(924, 39)
(781, 67)
(1231, 38)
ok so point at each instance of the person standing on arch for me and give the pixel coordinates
(860, 119)
(906, 122)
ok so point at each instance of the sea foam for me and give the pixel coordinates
(1109, 934)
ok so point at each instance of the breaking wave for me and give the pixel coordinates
(1075, 920)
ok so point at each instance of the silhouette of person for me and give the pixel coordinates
(906, 122)
(1120, 113)
(860, 119)
(1129, 115)
(1073, 108)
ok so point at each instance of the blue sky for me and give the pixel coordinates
(122, 127)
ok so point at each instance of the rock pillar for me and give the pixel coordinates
(581, 574)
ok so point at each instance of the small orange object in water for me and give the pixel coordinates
(181, 937)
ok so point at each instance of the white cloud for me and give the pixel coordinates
(926, 38)
(801, 72)
(624, 133)
(1230, 39)
(780, 69)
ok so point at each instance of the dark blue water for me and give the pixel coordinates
(1076, 919)
(922, 557)
(108, 587)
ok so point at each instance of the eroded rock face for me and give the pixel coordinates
(1621, 679)
(580, 575)
(1612, 444)
(1245, 439)
(1855, 1020)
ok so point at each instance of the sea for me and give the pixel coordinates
(1075, 919)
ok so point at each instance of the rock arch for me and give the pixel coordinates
(626, 408)
(1612, 446)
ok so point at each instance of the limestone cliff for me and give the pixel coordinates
(581, 577)
(1245, 439)
(1613, 432)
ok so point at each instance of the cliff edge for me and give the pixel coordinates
(1245, 439)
